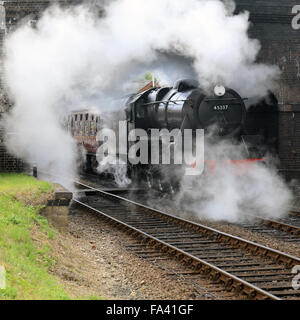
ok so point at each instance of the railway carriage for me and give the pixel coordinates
(83, 125)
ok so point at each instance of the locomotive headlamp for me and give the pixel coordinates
(219, 91)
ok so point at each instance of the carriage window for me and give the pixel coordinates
(72, 127)
(98, 123)
(92, 128)
(86, 128)
(76, 129)
(81, 127)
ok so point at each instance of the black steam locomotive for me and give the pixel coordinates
(222, 114)
(186, 106)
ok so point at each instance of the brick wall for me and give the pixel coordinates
(18, 9)
(8, 163)
(14, 11)
(272, 25)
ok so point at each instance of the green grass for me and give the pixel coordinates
(27, 266)
(22, 185)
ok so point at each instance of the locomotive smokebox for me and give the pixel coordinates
(226, 112)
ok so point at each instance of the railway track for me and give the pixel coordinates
(285, 229)
(251, 270)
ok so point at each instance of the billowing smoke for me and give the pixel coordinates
(74, 59)
(116, 167)
(232, 189)
(109, 162)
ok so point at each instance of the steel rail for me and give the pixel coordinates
(279, 225)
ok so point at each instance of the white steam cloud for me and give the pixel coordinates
(73, 59)
(234, 190)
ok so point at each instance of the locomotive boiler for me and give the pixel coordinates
(186, 106)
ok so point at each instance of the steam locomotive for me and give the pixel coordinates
(222, 114)
(186, 106)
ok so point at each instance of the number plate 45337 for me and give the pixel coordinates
(221, 107)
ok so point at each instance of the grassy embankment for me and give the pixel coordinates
(27, 264)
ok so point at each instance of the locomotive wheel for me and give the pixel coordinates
(157, 181)
(150, 180)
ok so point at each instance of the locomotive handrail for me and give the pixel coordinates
(165, 101)
(225, 99)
